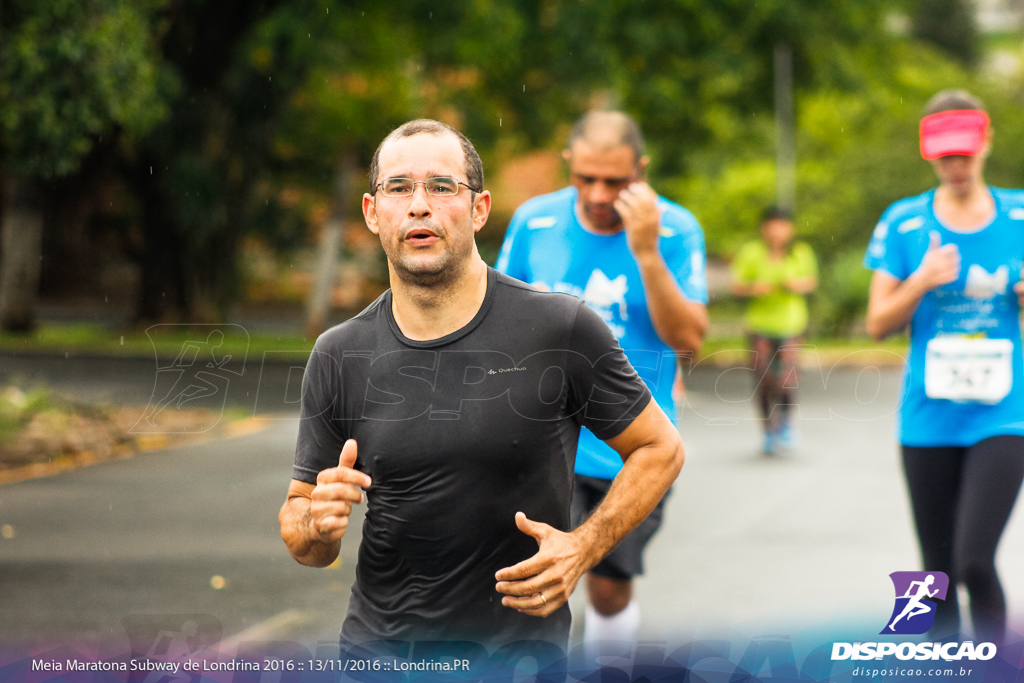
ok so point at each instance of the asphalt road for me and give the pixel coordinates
(97, 548)
(112, 555)
(800, 541)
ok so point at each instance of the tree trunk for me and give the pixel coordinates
(73, 252)
(161, 294)
(328, 250)
(21, 239)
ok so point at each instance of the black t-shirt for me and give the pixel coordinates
(458, 434)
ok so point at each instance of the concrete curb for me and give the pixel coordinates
(144, 443)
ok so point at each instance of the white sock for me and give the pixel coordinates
(622, 626)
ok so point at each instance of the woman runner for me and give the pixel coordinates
(949, 263)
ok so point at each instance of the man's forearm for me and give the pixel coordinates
(295, 518)
(679, 322)
(643, 480)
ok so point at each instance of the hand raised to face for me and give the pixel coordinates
(638, 208)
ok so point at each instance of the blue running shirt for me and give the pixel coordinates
(548, 247)
(980, 303)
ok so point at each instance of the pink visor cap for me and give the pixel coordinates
(961, 131)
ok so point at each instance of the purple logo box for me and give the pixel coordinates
(915, 603)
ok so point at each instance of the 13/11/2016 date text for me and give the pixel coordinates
(344, 665)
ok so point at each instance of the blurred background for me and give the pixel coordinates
(190, 161)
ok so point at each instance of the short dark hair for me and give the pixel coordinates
(473, 166)
(624, 126)
(776, 213)
(951, 100)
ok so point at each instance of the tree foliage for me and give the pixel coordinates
(235, 63)
(949, 25)
(70, 73)
(857, 153)
(242, 109)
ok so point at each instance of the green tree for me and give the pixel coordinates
(857, 153)
(70, 73)
(235, 63)
(267, 97)
(270, 93)
(949, 25)
(696, 73)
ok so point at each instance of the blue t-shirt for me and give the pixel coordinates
(980, 303)
(548, 247)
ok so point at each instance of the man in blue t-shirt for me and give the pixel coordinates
(638, 260)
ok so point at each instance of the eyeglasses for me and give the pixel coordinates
(438, 186)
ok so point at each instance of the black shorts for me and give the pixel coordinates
(625, 560)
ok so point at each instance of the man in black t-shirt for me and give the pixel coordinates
(455, 401)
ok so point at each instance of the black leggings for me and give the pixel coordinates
(962, 497)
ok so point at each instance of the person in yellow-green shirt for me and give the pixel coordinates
(775, 273)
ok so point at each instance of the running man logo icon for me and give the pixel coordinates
(913, 613)
(199, 376)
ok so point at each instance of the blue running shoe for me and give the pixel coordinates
(788, 437)
(771, 443)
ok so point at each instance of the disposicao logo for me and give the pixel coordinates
(916, 592)
(913, 614)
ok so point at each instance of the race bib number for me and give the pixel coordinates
(974, 370)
